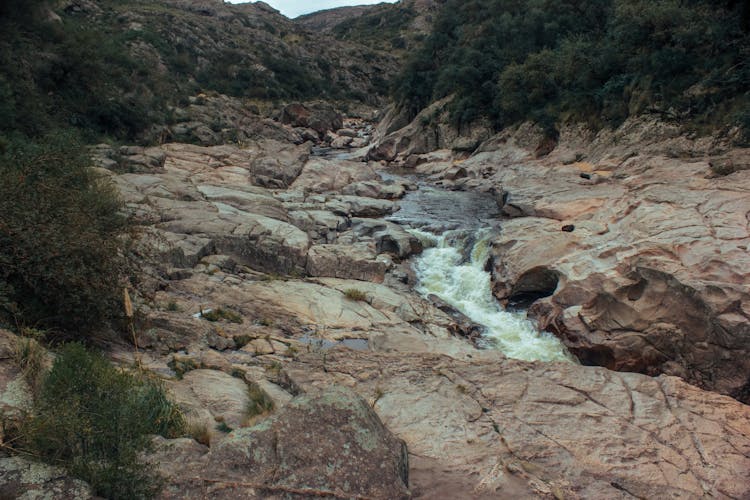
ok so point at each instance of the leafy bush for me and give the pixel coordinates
(94, 420)
(600, 61)
(61, 258)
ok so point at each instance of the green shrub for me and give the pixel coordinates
(94, 420)
(594, 60)
(222, 314)
(61, 255)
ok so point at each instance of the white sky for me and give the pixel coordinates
(294, 8)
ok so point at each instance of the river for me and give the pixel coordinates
(456, 228)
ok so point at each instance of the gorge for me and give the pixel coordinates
(346, 301)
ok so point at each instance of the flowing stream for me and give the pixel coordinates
(456, 228)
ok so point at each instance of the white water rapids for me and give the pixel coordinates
(455, 228)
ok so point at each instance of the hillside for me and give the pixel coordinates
(601, 62)
(393, 28)
(116, 68)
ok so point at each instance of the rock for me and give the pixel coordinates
(503, 427)
(330, 441)
(618, 286)
(375, 189)
(341, 142)
(279, 163)
(320, 117)
(320, 175)
(266, 245)
(346, 261)
(389, 237)
(431, 129)
(22, 478)
(319, 224)
(211, 397)
(359, 206)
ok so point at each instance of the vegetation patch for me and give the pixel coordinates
(600, 61)
(62, 257)
(222, 314)
(355, 294)
(260, 403)
(95, 419)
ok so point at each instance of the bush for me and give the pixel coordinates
(61, 261)
(593, 60)
(94, 420)
(221, 314)
(355, 294)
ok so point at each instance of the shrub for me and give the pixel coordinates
(61, 258)
(94, 420)
(222, 314)
(355, 294)
(260, 404)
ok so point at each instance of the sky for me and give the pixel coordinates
(294, 8)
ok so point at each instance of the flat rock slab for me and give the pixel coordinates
(541, 429)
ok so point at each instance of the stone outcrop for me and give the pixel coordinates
(493, 428)
(636, 258)
(325, 443)
(22, 478)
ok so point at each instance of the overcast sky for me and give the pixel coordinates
(294, 8)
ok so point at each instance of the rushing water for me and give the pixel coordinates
(456, 228)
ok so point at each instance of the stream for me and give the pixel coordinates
(456, 228)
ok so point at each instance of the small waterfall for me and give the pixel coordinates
(446, 271)
(455, 228)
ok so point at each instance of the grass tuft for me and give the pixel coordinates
(355, 294)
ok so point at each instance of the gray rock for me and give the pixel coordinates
(331, 441)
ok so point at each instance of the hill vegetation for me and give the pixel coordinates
(552, 61)
(113, 69)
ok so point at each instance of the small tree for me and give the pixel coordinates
(61, 255)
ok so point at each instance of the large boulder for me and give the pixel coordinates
(319, 117)
(327, 443)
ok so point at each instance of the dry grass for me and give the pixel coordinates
(31, 359)
(199, 431)
(355, 294)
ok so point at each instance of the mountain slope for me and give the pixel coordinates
(598, 61)
(115, 67)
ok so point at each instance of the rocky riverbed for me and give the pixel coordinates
(378, 391)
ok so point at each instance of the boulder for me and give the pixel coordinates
(211, 397)
(23, 478)
(321, 175)
(329, 442)
(319, 117)
(346, 261)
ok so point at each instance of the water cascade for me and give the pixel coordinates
(456, 228)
